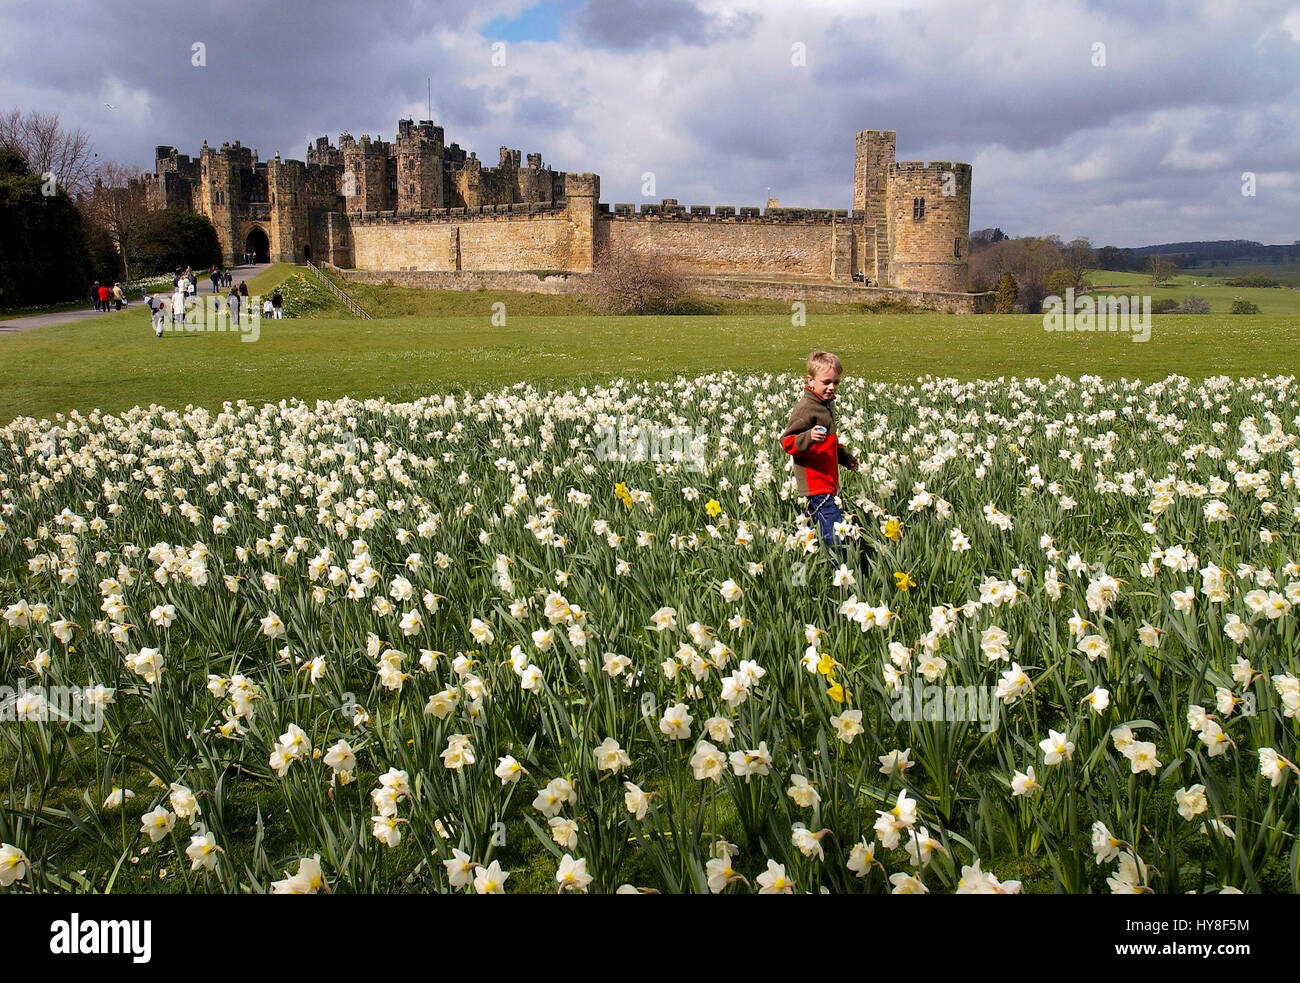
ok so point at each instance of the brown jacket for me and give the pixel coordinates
(816, 465)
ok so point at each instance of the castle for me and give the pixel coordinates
(418, 203)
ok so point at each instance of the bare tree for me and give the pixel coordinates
(627, 281)
(1161, 268)
(1079, 259)
(117, 204)
(50, 149)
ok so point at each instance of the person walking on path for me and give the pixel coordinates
(178, 307)
(104, 295)
(243, 289)
(232, 305)
(157, 313)
(277, 303)
(94, 294)
(214, 277)
(118, 297)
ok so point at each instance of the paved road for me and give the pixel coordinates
(87, 313)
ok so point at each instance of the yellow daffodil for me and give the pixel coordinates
(903, 581)
(713, 508)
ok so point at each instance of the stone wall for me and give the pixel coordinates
(732, 245)
(462, 240)
(837, 293)
(711, 286)
(439, 280)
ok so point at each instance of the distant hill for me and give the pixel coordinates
(1205, 254)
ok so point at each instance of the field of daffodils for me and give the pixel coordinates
(544, 640)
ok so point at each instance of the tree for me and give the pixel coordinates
(1160, 268)
(43, 256)
(1031, 261)
(1060, 281)
(627, 281)
(1110, 258)
(118, 205)
(1079, 259)
(174, 238)
(1004, 300)
(50, 149)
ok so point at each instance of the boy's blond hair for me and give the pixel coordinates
(820, 359)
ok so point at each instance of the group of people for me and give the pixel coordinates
(220, 278)
(185, 286)
(104, 297)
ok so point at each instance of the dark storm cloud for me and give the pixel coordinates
(273, 72)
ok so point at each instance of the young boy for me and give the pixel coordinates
(811, 438)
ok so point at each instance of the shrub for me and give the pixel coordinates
(1253, 280)
(631, 282)
(1166, 306)
(1244, 307)
(892, 305)
(1195, 305)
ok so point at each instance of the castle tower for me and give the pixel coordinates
(366, 174)
(287, 191)
(419, 165)
(582, 196)
(911, 220)
(929, 225)
(220, 195)
(873, 162)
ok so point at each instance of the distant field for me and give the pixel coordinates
(1285, 272)
(1271, 300)
(115, 362)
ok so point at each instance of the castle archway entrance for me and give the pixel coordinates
(258, 245)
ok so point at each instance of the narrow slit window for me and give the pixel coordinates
(918, 209)
(956, 248)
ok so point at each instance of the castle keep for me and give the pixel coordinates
(419, 203)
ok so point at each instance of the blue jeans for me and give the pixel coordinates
(826, 513)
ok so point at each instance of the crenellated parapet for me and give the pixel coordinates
(669, 210)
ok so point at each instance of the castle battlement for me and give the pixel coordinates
(514, 212)
(934, 165)
(670, 211)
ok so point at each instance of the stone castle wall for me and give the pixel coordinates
(707, 241)
(458, 239)
(419, 203)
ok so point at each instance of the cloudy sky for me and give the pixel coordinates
(1129, 121)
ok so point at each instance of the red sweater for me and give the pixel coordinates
(816, 465)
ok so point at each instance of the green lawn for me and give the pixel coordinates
(115, 362)
(1270, 300)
